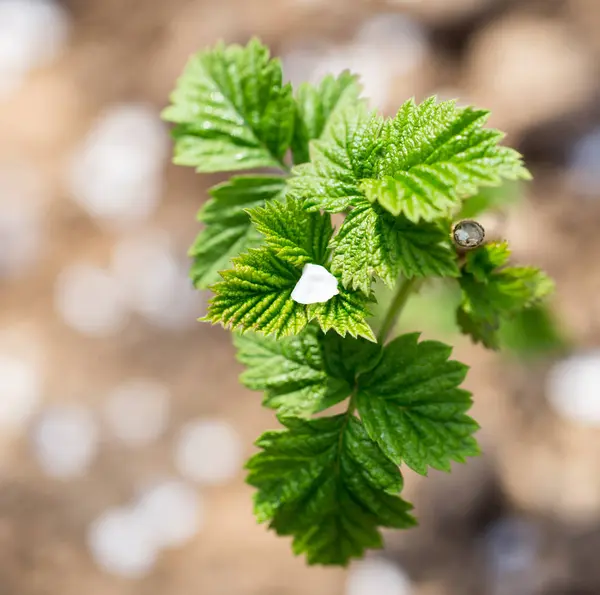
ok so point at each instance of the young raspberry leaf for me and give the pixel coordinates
(373, 242)
(326, 484)
(256, 294)
(316, 104)
(347, 358)
(435, 155)
(228, 229)
(231, 110)
(293, 371)
(412, 407)
(492, 292)
(346, 153)
(346, 313)
(294, 235)
(420, 163)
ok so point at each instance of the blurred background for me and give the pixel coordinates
(123, 428)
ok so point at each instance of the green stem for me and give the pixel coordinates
(403, 291)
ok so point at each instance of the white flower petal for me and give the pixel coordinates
(316, 285)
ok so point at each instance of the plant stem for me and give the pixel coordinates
(403, 291)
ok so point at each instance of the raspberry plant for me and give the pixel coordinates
(332, 481)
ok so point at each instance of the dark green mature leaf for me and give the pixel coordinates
(373, 242)
(257, 295)
(293, 372)
(325, 483)
(228, 229)
(316, 104)
(412, 407)
(231, 110)
(492, 292)
(292, 233)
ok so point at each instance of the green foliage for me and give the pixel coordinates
(315, 106)
(372, 242)
(231, 110)
(435, 154)
(324, 482)
(228, 229)
(293, 234)
(256, 294)
(412, 407)
(306, 373)
(293, 372)
(492, 292)
(331, 483)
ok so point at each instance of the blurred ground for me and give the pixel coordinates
(108, 386)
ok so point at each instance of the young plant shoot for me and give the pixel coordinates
(297, 292)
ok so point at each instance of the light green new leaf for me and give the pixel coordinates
(420, 163)
(293, 371)
(345, 313)
(316, 104)
(324, 482)
(346, 153)
(412, 407)
(492, 292)
(373, 242)
(435, 155)
(228, 229)
(292, 233)
(257, 295)
(231, 110)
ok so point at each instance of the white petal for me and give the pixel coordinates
(316, 285)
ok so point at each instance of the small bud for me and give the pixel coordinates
(468, 233)
(317, 285)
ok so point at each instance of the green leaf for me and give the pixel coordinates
(324, 482)
(293, 371)
(348, 358)
(257, 295)
(345, 313)
(436, 154)
(346, 152)
(420, 163)
(231, 110)
(492, 293)
(411, 170)
(316, 104)
(228, 229)
(293, 234)
(412, 407)
(373, 242)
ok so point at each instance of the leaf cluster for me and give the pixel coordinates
(332, 482)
